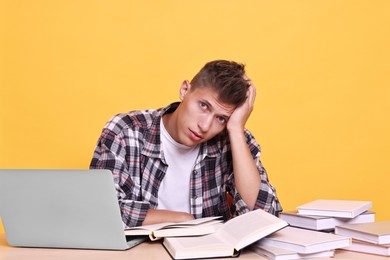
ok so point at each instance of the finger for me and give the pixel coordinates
(248, 80)
(251, 95)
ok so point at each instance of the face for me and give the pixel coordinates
(200, 116)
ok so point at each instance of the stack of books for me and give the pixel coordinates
(372, 238)
(325, 215)
(310, 232)
(299, 243)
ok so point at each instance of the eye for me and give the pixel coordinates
(221, 119)
(203, 105)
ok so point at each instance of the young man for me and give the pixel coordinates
(179, 162)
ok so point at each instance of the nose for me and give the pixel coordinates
(205, 122)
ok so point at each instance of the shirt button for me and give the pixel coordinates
(194, 197)
(195, 172)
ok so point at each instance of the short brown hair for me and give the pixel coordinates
(226, 78)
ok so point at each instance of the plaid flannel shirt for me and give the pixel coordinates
(130, 146)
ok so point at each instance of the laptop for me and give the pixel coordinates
(62, 209)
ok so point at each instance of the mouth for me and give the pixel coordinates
(195, 136)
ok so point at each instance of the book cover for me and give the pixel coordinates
(195, 227)
(305, 241)
(369, 248)
(227, 241)
(324, 222)
(376, 232)
(275, 253)
(335, 208)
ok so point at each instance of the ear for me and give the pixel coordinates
(184, 89)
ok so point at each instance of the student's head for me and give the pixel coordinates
(208, 102)
(226, 78)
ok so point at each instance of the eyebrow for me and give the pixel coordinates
(211, 106)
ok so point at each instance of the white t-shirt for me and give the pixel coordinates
(174, 191)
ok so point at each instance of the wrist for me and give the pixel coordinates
(236, 131)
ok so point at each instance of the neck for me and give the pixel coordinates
(169, 120)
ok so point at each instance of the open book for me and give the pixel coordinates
(233, 235)
(196, 227)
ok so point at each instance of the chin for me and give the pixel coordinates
(191, 143)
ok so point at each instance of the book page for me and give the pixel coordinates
(248, 228)
(194, 222)
(148, 229)
(201, 229)
(145, 230)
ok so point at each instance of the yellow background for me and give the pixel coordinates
(322, 70)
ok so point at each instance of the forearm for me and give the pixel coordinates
(154, 216)
(246, 175)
